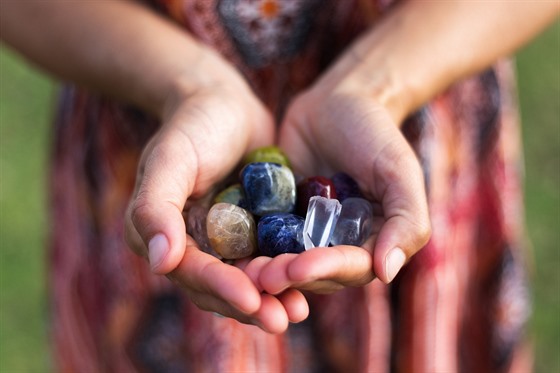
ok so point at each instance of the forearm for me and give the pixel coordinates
(422, 47)
(115, 47)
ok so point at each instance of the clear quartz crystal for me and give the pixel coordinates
(321, 218)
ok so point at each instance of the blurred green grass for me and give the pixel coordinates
(539, 93)
(25, 116)
(26, 109)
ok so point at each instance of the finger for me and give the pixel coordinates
(259, 265)
(346, 265)
(242, 263)
(320, 270)
(164, 183)
(295, 304)
(271, 316)
(206, 274)
(132, 237)
(293, 300)
(254, 268)
(320, 286)
(273, 276)
(333, 269)
(210, 303)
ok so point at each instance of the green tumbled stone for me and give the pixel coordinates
(232, 194)
(231, 231)
(272, 154)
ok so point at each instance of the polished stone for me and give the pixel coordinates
(195, 218)
(354, 224)
(232, 194)
(345, 186)
(310, 187)
(269, 188)
(231, 231)
(279, 234)
(321, 218)
(269, 154)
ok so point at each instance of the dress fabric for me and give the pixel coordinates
(460, 305)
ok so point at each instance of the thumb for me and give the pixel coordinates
(407, 225)
(165, 179)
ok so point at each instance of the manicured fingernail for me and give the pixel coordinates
(157, 250)
(394, 262)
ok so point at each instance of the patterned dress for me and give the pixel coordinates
(461, 304)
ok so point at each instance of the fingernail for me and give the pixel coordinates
(394, 262)
(157, 250)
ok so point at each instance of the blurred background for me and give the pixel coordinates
(27, 97)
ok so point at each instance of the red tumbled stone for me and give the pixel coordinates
(310, 187)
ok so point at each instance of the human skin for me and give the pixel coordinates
(202, 102)
(416, 51)
(360, 103)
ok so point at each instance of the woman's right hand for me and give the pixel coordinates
(205, 132)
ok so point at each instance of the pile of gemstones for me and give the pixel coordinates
(267, 213)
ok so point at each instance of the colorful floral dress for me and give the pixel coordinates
(461, 304)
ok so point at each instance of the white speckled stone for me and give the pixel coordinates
(231, 231)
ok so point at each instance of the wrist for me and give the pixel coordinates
(378, 82)
(389, 65)
(208, 72)
(384, 87)
(370, 69)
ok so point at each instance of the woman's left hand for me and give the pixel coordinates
(337, 126)
(349, 121)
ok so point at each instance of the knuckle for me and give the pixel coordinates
(140, 209)
(129, 237)
(408, 164)
(423, 232)
(363, 280)
(132, 237)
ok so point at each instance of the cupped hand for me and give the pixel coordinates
(204, 134)
(336, 127)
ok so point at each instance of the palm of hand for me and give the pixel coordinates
(200, 143)
(351, 133)
(204, 137)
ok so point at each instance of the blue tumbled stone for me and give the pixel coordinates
(269, 188)
(280, 234)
